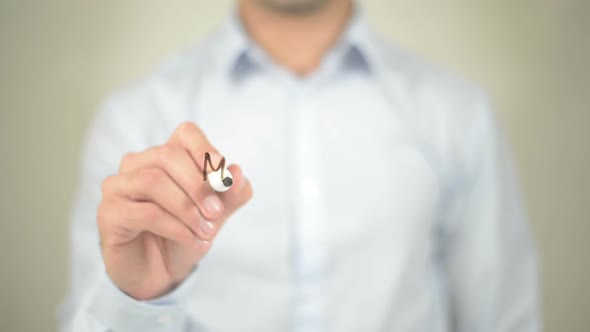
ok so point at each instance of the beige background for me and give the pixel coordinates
(59, 58)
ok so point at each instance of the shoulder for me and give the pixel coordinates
(433, 92)
(421, 81)
(450, 113)
(176, 76)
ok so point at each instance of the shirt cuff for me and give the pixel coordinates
(119, 312)
(177, 293)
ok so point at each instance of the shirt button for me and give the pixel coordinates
(164, 319)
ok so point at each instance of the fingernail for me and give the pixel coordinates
(212, 204)
(202, 243)
(206, 226)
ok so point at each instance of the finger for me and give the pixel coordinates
(179, 166)
(154, 185)
(124, 220)
(191, 138)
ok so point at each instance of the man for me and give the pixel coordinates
(384, 199)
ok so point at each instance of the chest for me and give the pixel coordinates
(344, 146)
(341, 187)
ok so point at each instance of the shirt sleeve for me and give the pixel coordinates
(94, 303)
(489, 260)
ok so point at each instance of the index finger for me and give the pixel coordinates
(190, 137)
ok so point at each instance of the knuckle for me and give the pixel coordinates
(150, 177)
(181, 233)
(149, 212)
(108, 240)
(126, 161)
(187, 206)
(107, 185)
(165, 154)
(194, 192)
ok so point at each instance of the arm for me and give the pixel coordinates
(94, 303)
(489, 258)
(115, 286)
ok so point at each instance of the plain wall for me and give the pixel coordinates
(59, 58)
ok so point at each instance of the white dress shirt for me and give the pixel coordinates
(384, 199)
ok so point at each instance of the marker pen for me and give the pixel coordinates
(220, 179)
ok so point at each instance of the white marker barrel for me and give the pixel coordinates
(217, 183)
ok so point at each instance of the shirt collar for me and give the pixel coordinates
(354, 44)
(241, 56)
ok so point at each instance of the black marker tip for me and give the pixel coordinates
(228, 182)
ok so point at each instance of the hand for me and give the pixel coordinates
(158, 217)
